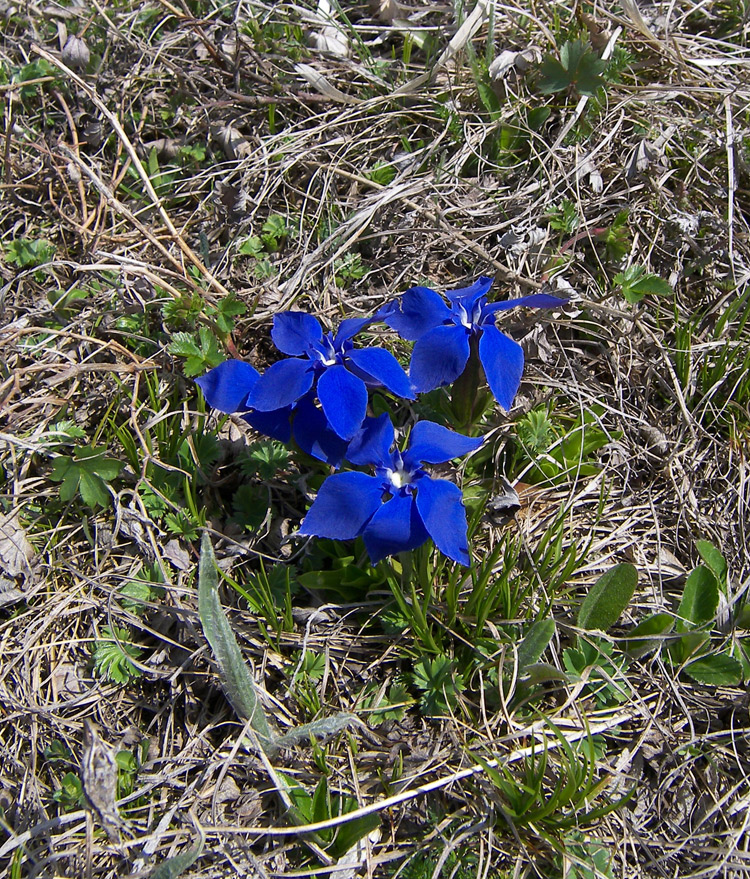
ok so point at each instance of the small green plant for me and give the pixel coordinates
(275, 232)
(579, 69)
(616, 238)
(128, 766)
(554, 452)
(635, 283)
(389, 706)
(70, 793)
(200, 355)
(549, 791)
(64, 300)
(323, 805)
(113, 654)
(348, 268)
(439, 682)
(39, 69)
(265, 458)
(87, 472)
(144, 588)
(382, 173)
(693, 650)
(564, 217)
(586, 858)
(594, 659)
(25, 253)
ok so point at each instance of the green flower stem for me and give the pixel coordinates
(466, 387)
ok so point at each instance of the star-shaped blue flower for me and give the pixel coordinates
(329, 364)
(443, 336)
(227, 387)
(401, 506)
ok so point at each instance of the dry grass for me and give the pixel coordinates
(287, 130)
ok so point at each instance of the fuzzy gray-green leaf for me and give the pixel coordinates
(238, 682)
(535, 642)
(608, 598)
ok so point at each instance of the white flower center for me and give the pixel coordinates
(399, 478)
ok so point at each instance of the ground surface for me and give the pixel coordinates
(181, 173)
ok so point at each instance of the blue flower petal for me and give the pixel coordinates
(351, 326)
(282, 384)
(413, 314)
(294, 331)
(344, 505)
(314, 434)
(536, 300)
(441, 507)
(343, 397)
(439, 357)
(480, 287)
(502, 359)
(384, 368)
(395, 527)
(226, 386)
(372, 444)
(275, 424)
(433, 444)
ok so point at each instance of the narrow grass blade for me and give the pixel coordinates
(238, 682)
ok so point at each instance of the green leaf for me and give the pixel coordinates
(93, 489)
(87, 472)
(578, 67)
(201, 356)
(184, 345)
(251, 246)
(687, 645)
(238, 682)
(112, 655)
(608, 598)
(647, 635)
(227, 309)
(29, 253)
(718, 670)
(275, 231)
(635, 283)
(381, 172)
(489, 99)
(535, 642)
(699, 600)
(714, 559)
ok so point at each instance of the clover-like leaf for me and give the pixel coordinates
(87, 472)
(578, 67)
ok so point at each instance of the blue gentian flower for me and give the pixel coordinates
(444, 335)
(401, 506)
(330, 365)
(227, 387)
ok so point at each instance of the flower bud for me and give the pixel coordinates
(76, 53)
